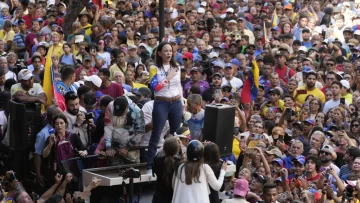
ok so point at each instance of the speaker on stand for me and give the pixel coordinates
(24, 124)
(219, 126)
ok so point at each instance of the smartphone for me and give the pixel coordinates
(242, 141)
(182, 11)
(288, 114)
(217, 93)
(281, 138)
(342, 101)
(302, 91)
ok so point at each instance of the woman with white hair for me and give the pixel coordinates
(119, 77)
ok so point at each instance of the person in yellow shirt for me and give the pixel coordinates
(275, 101)
(56, 49)
(9, 36)
(346, 91)
(85, 17)
(130, 80)
(301, 93)
(120, 64)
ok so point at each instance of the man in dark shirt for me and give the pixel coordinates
(208, 95)
(184, 79)
(114, 90)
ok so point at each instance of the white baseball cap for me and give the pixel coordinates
(345, 84)
(203, 4)
(230, 10)
(94, 79)
(303, 48)
(24, 74)
(201, 10)
(213, 55)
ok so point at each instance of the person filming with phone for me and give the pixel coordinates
(336, 88)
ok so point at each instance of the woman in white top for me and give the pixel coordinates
(165, 82)
(192, 179)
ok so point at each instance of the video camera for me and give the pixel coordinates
(130, 173)
(206, 62)
(89, 116)
(19, 65)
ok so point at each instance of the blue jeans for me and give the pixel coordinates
(162, 112)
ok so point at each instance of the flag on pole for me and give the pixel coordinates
(52, 92)
(274, 20)
(251, 85)
(99, 3)
(265, 35)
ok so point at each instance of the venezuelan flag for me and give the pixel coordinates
(275, 19)
(153, 77)
(265, 35)
(49, 86)
(251, 85)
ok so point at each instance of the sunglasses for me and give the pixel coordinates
(129, 21)
(330, 64)
(326, 153)
(355, 125)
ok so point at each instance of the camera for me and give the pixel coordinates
(130, 173)
(349, 193)
(89, 116)
(19, 65)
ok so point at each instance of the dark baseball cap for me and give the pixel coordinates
(90, 98)
(120, 105)
(143, 91)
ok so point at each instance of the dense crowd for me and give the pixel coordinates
(113, 88)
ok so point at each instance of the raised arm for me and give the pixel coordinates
(51, 191)
(67, 180)
(210, 176)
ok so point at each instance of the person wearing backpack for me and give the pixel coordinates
(62, 144)
(67, 58)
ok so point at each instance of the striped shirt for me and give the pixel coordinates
(19, 40)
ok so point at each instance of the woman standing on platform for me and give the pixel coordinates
(165, 82)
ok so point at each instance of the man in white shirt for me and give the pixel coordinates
(229, 78)
(4, 67)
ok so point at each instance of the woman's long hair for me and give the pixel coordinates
(192, 171)
(212, 155)
(193, 165)
(171, 147)
(158, 58)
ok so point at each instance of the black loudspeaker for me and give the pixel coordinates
(25, 123)
(219, 126)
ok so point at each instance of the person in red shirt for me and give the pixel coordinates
(285, 73)
(312, 166)
(87, 67)
(115, 90)
(29, 39)
(31, 16)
